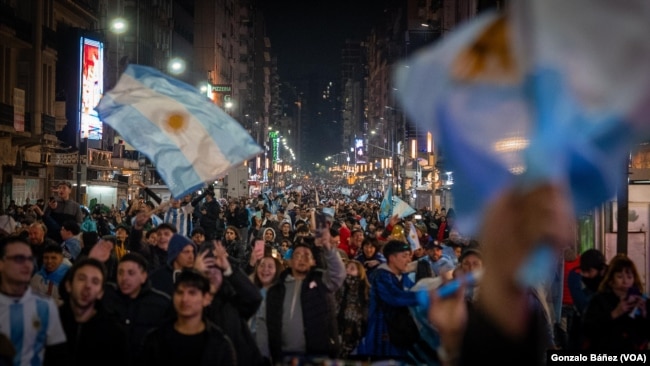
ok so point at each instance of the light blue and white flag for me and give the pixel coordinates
(401, 208)
(363, 223)
(539, 96)
(386, 206)
(188, 137)
(412, 237)
(363, 198)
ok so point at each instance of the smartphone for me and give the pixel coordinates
(418, 217)
(633, 291)
(321, 223)
(259, 246)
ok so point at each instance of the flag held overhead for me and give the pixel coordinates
(190, 140)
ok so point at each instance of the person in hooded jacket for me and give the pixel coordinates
(180, 254)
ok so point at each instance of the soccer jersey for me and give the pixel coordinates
(31, 323)
(180, 218)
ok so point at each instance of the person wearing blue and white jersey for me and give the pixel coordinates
(29, 321)
(179, 216)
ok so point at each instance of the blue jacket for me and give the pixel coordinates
(387, 291)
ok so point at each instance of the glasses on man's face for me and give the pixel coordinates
(19, 258)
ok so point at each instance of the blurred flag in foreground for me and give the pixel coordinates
(535, 96)
(189, 139)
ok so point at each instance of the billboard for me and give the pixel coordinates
(359, 150)
(91, 80)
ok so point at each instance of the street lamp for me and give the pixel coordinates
(176, 66)
(118, 26)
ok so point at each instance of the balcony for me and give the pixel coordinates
(121, 163)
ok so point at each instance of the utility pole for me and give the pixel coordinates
(622, 198)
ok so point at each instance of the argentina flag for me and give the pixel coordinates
(189, 139)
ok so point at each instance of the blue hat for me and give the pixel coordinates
(176, 245)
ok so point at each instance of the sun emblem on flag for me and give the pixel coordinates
(176, 123)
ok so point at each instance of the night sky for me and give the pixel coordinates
(307, 37)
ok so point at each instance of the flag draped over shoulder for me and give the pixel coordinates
(190, 140)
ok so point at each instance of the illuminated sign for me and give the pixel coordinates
(92, 87)
(358, 147)
(222, 88)
(275, 144)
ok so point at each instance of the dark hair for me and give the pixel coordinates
(89, 238)
(370, 241)
(12, 239)
(190, 277)
(86, 262)
(302, 229)
(592, 258)
(123, 228)
(149, 232)
(334, 232)
(300, 245)
(53, 248)
(72, 227)
(233, 229)
(137, 259)
(198, 230)
(166, 225)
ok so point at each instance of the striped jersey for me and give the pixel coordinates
(181, 218)
(31, 323)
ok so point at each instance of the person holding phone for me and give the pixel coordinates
(235, 299)
(616, 319)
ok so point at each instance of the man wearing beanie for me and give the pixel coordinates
(180, 255)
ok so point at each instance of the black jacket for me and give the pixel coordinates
(318, 312)
(237, 301)
(159, 347)
(138, 316)
(162, 279)
(155, 256)
(99, 341)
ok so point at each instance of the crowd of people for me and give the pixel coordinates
(297, 276)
